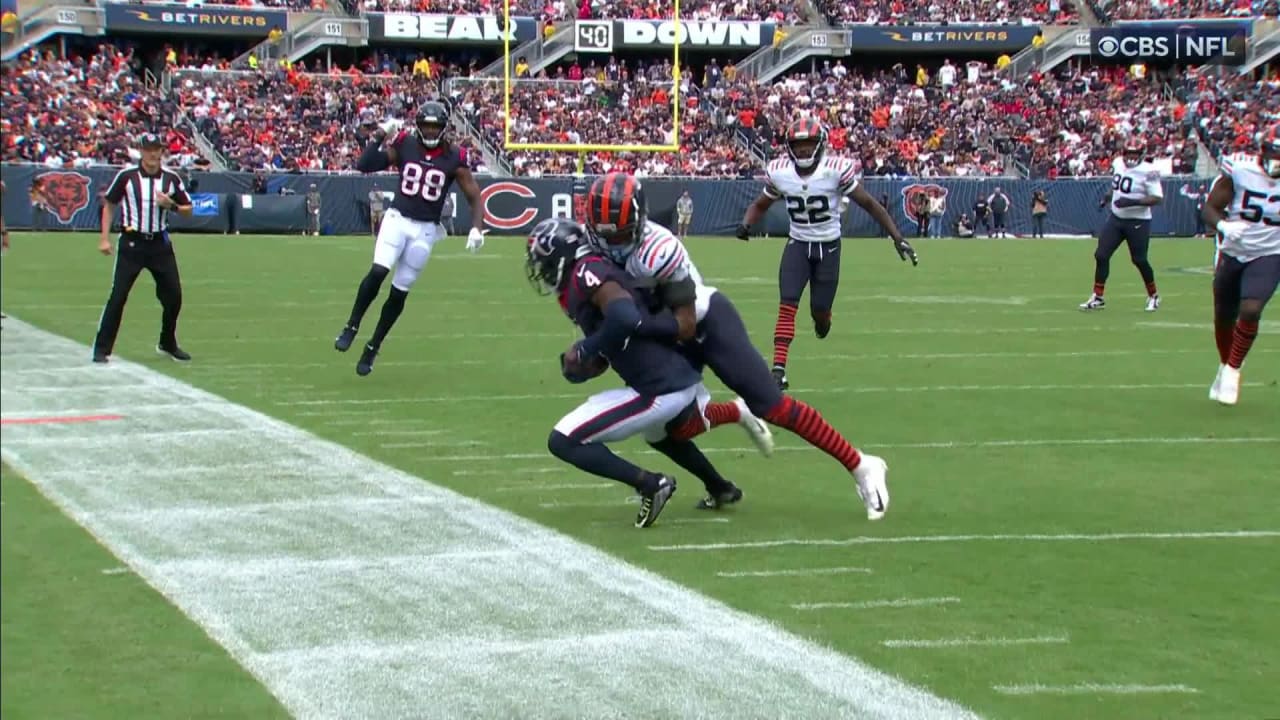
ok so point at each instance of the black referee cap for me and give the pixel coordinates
(150, 140)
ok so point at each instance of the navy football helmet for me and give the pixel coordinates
(554, 245)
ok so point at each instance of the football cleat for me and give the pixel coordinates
(343, 342)
(175, 352)
(780, 377)
(1095, 302)
(821, 327)
(1153, 303)
(1229, 385)
(756, 429)
(1216, 388)
(652, 502)
(730, 496)
(365, 366)
(101, 357)
(872, 476)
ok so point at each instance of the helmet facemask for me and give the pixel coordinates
(805, 152)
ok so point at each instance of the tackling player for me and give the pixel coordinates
(429, 165)
(1248, 264)
(618, 225)
(812, 186)
(663, 391)
(1135, 189)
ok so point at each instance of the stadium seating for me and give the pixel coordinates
(1228, 112)
(79, 112)
(1049, 12)
(1112, 10)
(555, 10)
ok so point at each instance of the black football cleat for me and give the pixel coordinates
(780, 377)
(174, 352)
(343, 342)
(728, 496)
(100, 357)
(652, 501)
(365, 366)
(821, 327)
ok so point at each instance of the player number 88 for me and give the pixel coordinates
(427, 182)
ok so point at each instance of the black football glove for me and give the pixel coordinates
(1124, 202)
(906, 251)
(743, 233)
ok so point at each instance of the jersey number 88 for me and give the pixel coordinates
(418, 180)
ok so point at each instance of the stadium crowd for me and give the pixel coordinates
(871, 12)
(82, 111)
(1229, 111)
(1112, 10)
(782, 11)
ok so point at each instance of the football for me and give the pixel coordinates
(578, 371)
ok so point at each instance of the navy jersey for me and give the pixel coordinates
(426, 176)
(645, 365)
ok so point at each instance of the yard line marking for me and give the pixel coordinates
(116, 571)
(558, 486)
(338, 413)
(955, 300)
(445, 443)
(1265, 325)
(909, 539)
(796, 572)
(58, 419)
(977, 642)
(509, 471)
(855, 390)
(627, 500)
(382, 433)
(574, 617)
(1093, 689)
(943, 445)
(872, 604)
(696, 521)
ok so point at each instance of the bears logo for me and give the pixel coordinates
(918, 195)
(67, 193)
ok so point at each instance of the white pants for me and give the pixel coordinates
(622, 413)
(405, 245)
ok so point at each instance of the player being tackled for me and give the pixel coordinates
(813, 186)
(1244, 206)
(429, 165)
(664, 399)
(709, 328)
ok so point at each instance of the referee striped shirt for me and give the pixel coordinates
(134, 190)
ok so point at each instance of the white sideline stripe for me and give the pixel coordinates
(977, 642)
(534, 487)
(1094, 689)
(872, 604)
(115, 571)
(1066, 537)
(854, 390)
(942, 445)
(569, 616)
(797, 572)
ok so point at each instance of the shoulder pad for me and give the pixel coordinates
(661, 255)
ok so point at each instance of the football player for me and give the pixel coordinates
(1135, 189)
(813, 186)
(663, 392)
(429, 165)
(706, 321)
(1244, 207)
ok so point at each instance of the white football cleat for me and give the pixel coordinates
(1216, 388)
(873, 487)
(1229, 386)
(756, 428)
(1153, 303)
(1093, 303)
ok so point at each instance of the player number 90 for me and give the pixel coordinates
(427, 182)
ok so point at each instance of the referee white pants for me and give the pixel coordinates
(622, 413)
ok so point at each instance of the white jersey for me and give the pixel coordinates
(813, 201)
(662, 258)
(1137, 182)
(1255, 206)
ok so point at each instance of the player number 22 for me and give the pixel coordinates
(1251, 208)
(425, 181)
(809, 210)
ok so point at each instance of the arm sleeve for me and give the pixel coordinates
(621, 318)
(115, 193)
(180, 195)
(374, 158)
(678, 292)
(848, 179)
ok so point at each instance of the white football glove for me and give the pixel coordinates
(475, 240)
(1232, 230)
(390, 126)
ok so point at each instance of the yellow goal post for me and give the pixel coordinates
(583, 148)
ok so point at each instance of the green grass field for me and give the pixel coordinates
(1054, 474)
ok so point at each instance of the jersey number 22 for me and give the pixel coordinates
(812, 210)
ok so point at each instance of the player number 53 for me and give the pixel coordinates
(1252, 208)
(427, 182)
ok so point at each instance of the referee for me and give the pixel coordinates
(146, 194)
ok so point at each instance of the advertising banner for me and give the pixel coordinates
(941, 38)
(205, 20)
(602, 36)
(1201, 43)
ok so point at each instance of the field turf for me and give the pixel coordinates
(1076, 531)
